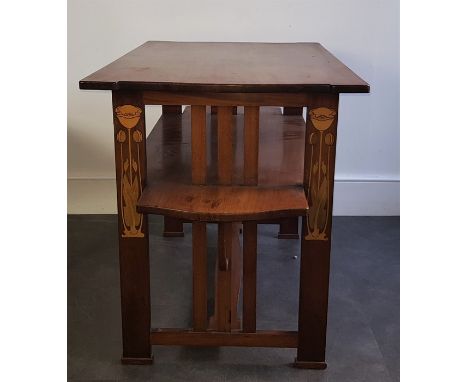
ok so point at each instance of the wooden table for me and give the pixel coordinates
(243, 164)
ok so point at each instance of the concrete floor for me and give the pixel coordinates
(363, 330)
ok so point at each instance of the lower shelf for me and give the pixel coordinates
(223, 203)
(279, 194)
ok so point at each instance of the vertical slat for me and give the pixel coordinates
(225, 145)
(198, 144)
(214, 110)
(249, 321)
(199, 244)
(251, 124)
(235, 269)
(200, 276)
(223, 288)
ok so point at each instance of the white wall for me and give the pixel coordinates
(364, 34)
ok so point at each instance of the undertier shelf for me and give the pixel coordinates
(279, 193)
(223, 203)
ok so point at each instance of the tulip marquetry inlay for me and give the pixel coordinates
(130, 180)
(318, 190)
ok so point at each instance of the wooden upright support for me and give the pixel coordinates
(199, 245)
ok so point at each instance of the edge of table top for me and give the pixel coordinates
(105, 78)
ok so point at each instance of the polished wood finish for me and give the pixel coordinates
(262, 338)
(200, 277)
(227, 99)
(227, 67)
(199, 240)
(222, 203)
(249, 304)
(130, 166)
(223, 276)
(173, 227)
(225, 149)
(236, 161)
(198, 144)
(214, 110)
(251, 141)
(236, 271)
(320, 148)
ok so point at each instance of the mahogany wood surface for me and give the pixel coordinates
(223, 203)
(220, 165)
(281, 149)
(227, 67)
(198, 150)
(200, 276)
(251, 143)
(232, 99)
(249, 285)
(225, 145)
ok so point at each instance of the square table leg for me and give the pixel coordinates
(130, 164)
(319, 170)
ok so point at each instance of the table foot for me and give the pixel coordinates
(309, 365)
(137, 361)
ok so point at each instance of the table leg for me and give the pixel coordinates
(319, 170)
(130, 163)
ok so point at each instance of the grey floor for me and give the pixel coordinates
(363, 331)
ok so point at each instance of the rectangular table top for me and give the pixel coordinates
(227, 67)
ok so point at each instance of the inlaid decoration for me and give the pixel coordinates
(130, 167)
(319, 186)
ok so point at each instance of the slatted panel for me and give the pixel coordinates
(199, 244)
